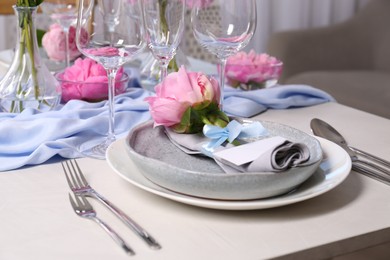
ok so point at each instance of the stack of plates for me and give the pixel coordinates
(147, 159)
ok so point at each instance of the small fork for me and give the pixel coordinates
(79, 185)
(85, 210)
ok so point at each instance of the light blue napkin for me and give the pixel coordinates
(249, 103)
(33, 138)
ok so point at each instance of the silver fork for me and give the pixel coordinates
(85, 210)
(79, 185)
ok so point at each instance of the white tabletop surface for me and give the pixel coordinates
(37, 222)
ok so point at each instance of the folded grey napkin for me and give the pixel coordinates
(271, 154)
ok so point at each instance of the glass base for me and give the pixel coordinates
(99, 151)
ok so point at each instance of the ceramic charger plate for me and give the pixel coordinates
(166, 165)
(333, 170)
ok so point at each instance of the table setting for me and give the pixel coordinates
(217, 160)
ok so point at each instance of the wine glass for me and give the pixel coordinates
(64, 12)
(224, 28)
(164, 25)
(112, 50)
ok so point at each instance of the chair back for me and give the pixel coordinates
(375, 19)
(190, 45)
(369, 36)
(6, 7)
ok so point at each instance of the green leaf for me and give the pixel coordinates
(195, 117)
(201, 105)
(223, 116)
(40, 34)
(184, 122)
(172, 66)
(191, 122)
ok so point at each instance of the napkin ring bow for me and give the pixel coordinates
(234, 130)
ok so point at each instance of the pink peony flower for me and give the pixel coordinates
(185, 101)
(53, 42)
(252, 68)
(104, 51)
(87, 80)
(202, 3)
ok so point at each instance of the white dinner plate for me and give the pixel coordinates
(333, 170)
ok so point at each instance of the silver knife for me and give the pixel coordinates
(323, 129)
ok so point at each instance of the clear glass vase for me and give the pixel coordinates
(28, 83)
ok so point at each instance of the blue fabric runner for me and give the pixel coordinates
(250, 103)
(32, 137)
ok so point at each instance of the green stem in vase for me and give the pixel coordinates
(28, 3)
(164, 26)
(27, 44)
(28, 31)
(19, 87)
(164, 23)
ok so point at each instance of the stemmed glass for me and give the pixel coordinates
(64, 12)
(164, 25)
(112, 48)
(224, 28)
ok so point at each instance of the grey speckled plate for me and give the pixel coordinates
(165, 165)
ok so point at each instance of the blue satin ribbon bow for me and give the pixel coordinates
(231, 132)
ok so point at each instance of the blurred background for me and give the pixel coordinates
(273, 16)
(339, 46)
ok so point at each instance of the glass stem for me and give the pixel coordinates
(222, 82)
(67, 52)
(111, 74)
(164, 69)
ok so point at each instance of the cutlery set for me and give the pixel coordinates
(85, 210)
(362, 162)
(81, 189)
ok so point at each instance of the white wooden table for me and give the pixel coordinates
(37, 222)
